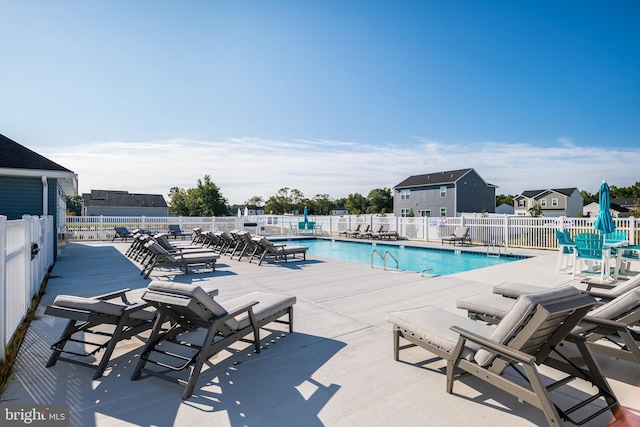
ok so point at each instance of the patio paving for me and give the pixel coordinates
(336, 369)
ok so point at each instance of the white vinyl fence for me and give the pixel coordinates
(498, 230)
(26, 255)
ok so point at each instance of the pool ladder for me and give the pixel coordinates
(384, 258)
(493, 250)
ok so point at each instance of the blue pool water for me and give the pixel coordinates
(439, 262)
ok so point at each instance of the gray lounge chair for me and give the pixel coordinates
(611, 290)
(349, 231)
(460, 235)
(121, 233)
(189, 308)
(611, 328)
(384, 234)
(86, 334)
(526, 337)
(176, 231)
(363, 232)
(162, 258)
(277, 251)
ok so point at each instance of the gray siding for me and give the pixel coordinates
(426, 198)
(474, 195)
(20, 196)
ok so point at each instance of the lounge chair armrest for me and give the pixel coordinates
(246, 307)
(614, 324)
(115, 294)
(515, 355)
(591, 285)
(600, 295)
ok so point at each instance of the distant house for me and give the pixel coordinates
(444, 194)
(553, 202)
(628, 202)
(505, 209)
(592, 210)
(123, 203)
(339, 211)
(31, 184)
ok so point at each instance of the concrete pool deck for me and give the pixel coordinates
(336, 369)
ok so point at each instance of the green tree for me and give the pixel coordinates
(178, 202)
(380, 201)
(255, 201)
(501, 198)
(356, 204)
(74, 205)
(322, 204)
(536, 210)
(281, 202)
(203, 200)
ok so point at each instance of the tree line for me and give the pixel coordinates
(206, 199)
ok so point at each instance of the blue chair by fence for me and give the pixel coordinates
(565, 247)
(589, 249)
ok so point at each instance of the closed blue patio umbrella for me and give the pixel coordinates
(604, 222)
(306, 213)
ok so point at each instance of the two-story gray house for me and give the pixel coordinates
(123, 203)
(553, 202)
(444, 194)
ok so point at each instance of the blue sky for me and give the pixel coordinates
(329, 97)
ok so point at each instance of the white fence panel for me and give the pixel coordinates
(502, 230)
(26, 254)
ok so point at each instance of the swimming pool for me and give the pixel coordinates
(437, 262)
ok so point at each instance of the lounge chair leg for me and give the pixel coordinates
(149, 346)
(202, 357)
(290, 310)
(66, 334)
(549, 409)
(396, 344)
(111, 346)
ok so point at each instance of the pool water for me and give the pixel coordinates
(437, 262)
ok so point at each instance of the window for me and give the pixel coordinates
(425, 213)
(405, 212)
(543, 203)
(404, 194)
(554, 202)
(443, 191)
(443, 211)
(521, 203)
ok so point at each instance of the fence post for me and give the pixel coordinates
(26, 248)
(3, 286)
(506, 231)
(101, 227)
(561, 221)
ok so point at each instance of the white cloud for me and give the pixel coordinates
(245, 167)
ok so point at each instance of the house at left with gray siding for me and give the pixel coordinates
(31, 184)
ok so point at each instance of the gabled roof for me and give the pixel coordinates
(438, 178)
(16, 156)
(108, 198)
(625, 201)
(533, 193)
